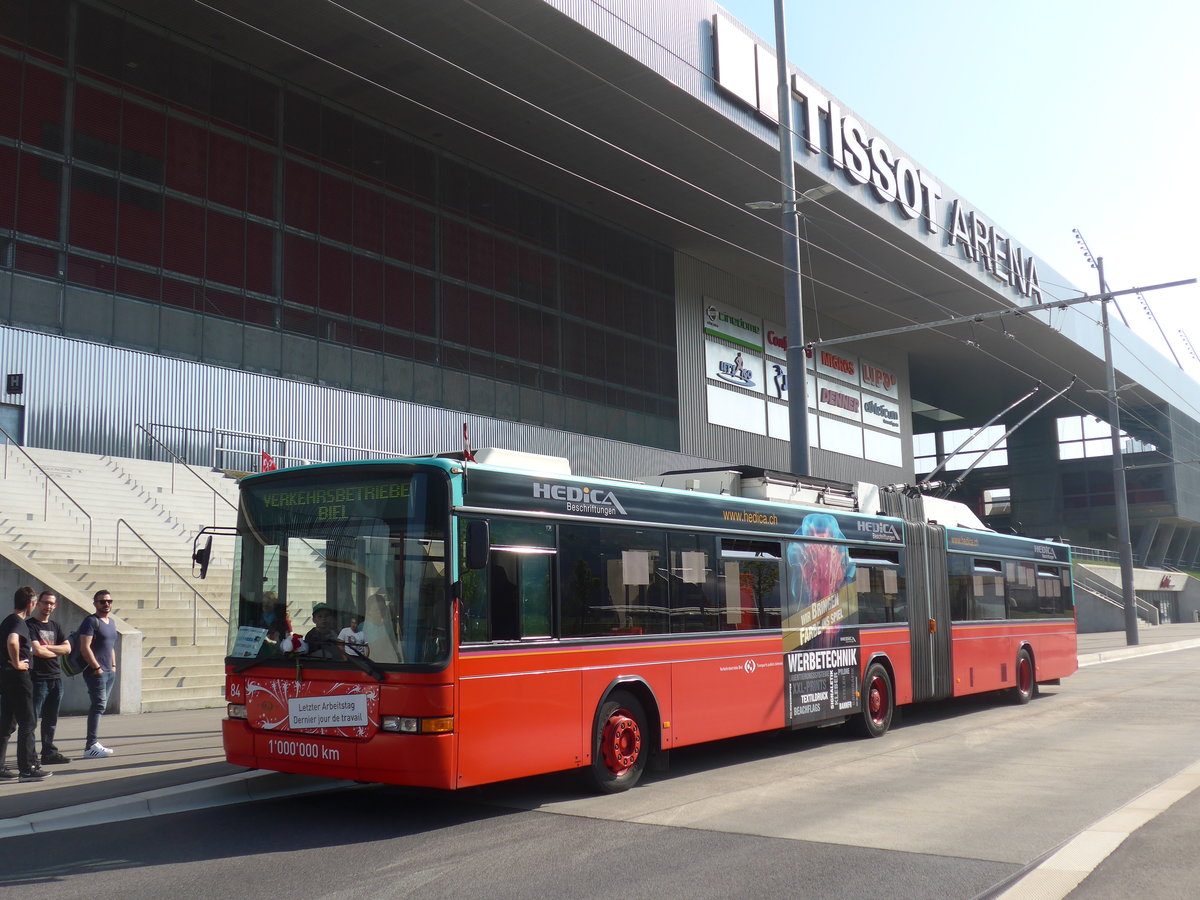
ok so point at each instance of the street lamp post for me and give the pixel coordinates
(797, 381)
(1120, 498)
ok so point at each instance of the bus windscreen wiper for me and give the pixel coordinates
(314, 646)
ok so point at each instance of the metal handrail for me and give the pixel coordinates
(1093, 553)
(1106, 590)
(10, 440)
(158, 581)
(271, 442)
(176, 457)
(320, 447)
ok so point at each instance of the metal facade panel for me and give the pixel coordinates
(91, 398)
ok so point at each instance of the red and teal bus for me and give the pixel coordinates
(445, 623)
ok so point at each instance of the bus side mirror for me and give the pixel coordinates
(479, 542)
(202, 556)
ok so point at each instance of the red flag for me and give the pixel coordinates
(468, 453)
(268, 464)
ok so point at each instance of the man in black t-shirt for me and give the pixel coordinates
(16, 688)
(47, 677)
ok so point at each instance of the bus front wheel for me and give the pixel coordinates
(1026, 687)
(877, 703)
(620, 745)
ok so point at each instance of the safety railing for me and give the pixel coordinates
(9, 441)
(176, 458)
(1095, 554)
(1111, 594)
(159, 564)
(242, 451)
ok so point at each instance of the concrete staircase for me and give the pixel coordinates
(127, 525)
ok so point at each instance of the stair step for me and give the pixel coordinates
(166, 505)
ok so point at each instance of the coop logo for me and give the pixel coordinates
(735, 372)
(592, 501)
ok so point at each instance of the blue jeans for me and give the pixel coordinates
(98, 687)
(47, 697)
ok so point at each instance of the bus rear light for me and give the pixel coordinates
(412, 725)
(236, 711)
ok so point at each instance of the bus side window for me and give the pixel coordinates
(879, 586)
(504, 597)
(693, 583)
(473, 619)
(612, 580)
(752, 572)
(512, 597)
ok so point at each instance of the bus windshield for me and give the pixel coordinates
(352, 559)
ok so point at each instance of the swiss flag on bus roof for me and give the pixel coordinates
(268, 463)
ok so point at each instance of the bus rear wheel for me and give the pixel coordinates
(877, 703)
(620, 745)
(1026, 687)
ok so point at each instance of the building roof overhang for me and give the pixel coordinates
(519, 87)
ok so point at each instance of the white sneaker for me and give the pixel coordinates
(97, 751)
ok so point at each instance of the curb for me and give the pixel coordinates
(225, 791)
(1103, 656)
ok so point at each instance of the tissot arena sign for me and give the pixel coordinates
(853, 402)
(748, 71)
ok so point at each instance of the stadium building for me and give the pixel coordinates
(334, 230)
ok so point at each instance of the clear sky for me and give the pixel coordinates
(1046, 115)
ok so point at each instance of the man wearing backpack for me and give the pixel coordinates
(98, 647)
(47, 677)
(16, 689)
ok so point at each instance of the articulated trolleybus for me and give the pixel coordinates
(445, 623)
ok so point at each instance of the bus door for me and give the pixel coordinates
(929, 610)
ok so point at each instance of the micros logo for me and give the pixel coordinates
(594, 501)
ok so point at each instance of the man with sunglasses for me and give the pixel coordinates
(98, 647)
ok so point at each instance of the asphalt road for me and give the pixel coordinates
(959, 798)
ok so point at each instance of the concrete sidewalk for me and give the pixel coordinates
(1108, 646)
(173, 761)
(163, 762)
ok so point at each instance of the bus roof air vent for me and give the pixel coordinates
(517, 459)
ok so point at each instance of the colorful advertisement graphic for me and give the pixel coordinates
(821, 652)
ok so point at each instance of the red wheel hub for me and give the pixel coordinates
(877, 700)
(620, 742)
(1025, 675)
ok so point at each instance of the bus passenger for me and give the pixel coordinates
(378, 631)
(322, 638)
(274, 618)
(353, 640)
